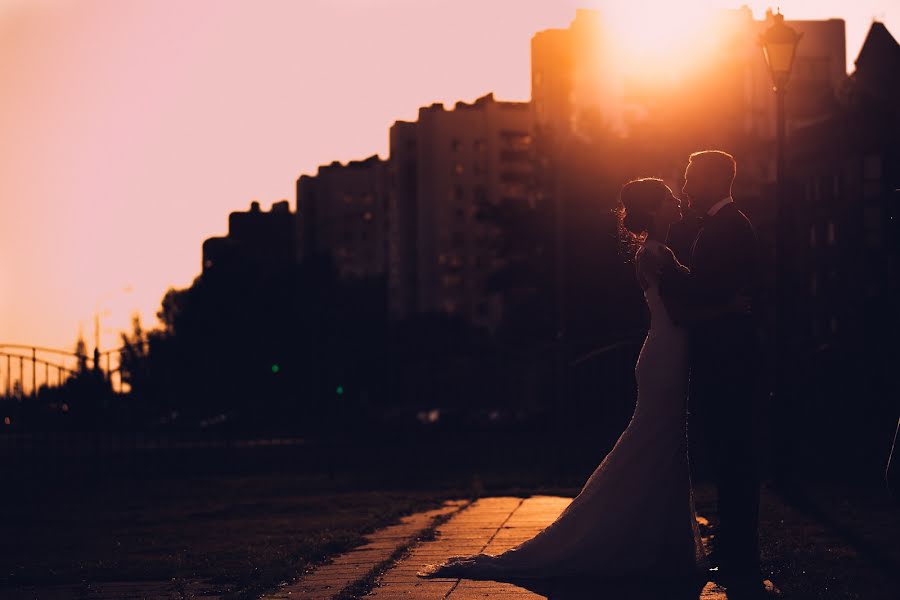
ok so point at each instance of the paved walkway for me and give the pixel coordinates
(493, 525)
(362, 562)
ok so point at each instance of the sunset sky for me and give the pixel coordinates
(131, 128)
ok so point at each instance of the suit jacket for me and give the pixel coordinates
(724, 262)
(682, 235)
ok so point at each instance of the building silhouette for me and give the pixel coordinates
(845, 213)
(342, 213)
(445, 169)
(256, 239)
(843, 253)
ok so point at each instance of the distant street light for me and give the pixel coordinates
(779, 45)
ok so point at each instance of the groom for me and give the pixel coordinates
(725, 353)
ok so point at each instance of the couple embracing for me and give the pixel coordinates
(635, 514)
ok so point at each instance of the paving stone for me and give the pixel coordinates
(491, 525)
(329, 579)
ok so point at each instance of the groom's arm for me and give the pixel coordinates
(728, 262)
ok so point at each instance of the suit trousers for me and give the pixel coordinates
(725, 361)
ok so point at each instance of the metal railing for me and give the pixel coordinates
(17, 355)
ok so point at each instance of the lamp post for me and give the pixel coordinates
(779, 46)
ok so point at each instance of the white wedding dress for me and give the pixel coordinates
(635, 514)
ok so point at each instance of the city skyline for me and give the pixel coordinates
(79, 145)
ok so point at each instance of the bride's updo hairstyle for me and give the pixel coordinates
(638, 201)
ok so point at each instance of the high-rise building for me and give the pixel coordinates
(573, 77)
(444, 168)
(256, 239)
(342, 213)
(846, 216)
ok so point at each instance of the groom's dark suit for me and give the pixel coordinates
(725, 358)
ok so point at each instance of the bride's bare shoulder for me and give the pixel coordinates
(646, 266)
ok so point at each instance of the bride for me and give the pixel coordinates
(635, 514)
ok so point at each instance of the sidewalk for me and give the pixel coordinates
(356, 567)
(489, 525)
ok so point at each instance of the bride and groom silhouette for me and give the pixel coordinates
(634, 517)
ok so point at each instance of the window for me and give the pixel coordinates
(872, 223)
(480, 195)
(458, 168)
(455, 145)
(515, 177)
(826, 188)
(872, 167)
(480, 145)
(368, 216)
(451, 281)
(459, 192)
(514, 156)
(348, 198)
(812, 236)
(514, 190)
(831, 234)
(516, 140)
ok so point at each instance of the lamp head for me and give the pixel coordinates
(779, 45)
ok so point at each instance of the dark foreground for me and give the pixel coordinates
(247, 517)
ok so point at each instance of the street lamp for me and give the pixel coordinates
(779, 46)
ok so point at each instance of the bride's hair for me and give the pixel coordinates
(638, 200)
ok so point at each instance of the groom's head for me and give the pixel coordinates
(708, 178)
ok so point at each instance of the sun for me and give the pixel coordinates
(658, 40)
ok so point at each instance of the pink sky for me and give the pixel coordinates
(131, 128)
